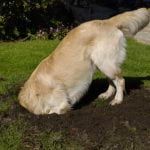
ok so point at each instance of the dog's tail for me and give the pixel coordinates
(131, 22)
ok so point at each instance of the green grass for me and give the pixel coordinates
(11, 135)
(137, 64)
(5, 105)
(17, 60)
(58, 141)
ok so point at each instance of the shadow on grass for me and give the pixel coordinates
(100, 85)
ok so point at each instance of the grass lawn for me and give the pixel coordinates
(19, 59)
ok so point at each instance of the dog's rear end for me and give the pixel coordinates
(129, 23)
(47, 91)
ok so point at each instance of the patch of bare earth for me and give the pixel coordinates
(93, 123)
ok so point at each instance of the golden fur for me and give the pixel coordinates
(62, 78)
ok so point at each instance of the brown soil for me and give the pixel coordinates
(96, 125)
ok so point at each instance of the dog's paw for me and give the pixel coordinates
(115, 102)
(103, 96)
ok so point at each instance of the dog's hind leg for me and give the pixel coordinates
(116, 82)
(113, 72)
(108, 59)
(119, 83)
(109, 92)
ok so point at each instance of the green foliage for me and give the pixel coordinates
(19, 18)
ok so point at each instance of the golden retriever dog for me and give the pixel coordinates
(61, 79)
